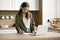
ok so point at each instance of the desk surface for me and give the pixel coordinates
(48, 36)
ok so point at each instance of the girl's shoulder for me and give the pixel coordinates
(30, 14)
(18, 15)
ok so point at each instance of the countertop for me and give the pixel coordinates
(48, 36)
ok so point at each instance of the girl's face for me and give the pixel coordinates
(25, 9)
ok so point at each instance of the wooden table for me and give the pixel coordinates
(48, 36)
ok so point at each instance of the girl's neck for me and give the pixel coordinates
(23, 14)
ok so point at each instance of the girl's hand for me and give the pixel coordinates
(34, 33)
(21, 32)
(35, 29)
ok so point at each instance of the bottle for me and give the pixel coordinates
(49, 23)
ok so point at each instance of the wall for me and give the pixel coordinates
(10, 22)
(48, 10)
(58, 9)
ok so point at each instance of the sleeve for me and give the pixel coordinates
(17, 24)
(32, 22)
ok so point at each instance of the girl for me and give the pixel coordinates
(24, 21)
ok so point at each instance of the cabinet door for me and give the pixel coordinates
(34, 4)
(5, 4)
(17, 4)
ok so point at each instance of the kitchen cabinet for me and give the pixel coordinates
(15, 4)
(6, 5)
(34, 4)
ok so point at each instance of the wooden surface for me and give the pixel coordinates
(9, 28)
(48, 36)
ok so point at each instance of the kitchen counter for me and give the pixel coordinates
(15, 36)
(7, 28)
(54, 30)
(10, 30)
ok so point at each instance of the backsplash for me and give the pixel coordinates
(7, 17)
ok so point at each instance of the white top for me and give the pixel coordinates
(27, 24)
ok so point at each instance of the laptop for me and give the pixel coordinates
(42, 30)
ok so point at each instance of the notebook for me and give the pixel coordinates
(42, 30)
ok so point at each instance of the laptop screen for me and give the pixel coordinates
(42, 29)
